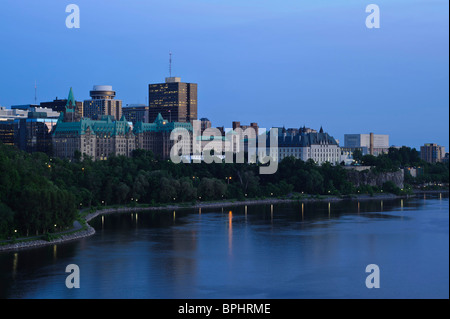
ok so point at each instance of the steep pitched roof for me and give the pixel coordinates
(160, 125)
(70, 105)
(305, 140)
(104, 126)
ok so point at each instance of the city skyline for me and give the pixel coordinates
(349, 79)
(220, 157)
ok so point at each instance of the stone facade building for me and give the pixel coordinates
(155, 136)
(319, 147)
(97, 139)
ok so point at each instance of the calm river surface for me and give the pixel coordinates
(314, 250)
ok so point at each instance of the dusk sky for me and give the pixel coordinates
(278, 63)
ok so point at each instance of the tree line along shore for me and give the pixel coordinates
(41, 195)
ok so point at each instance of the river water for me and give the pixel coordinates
(283, 251)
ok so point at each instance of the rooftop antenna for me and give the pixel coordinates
(170, 64)
(35, 93)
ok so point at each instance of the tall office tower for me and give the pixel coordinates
(102, 103)
(176, 101)
(136, 113)
(7, 132)
(432, 153)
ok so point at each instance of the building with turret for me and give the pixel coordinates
(97, 139)
(102, 102)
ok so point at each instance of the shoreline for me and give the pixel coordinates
(91, 231)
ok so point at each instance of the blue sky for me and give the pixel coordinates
(284, 62)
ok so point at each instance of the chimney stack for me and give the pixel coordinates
(371, 143)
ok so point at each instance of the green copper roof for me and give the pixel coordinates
(160, 125)
(70, 99)
(105, 126)
(159, 118)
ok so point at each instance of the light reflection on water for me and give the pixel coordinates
(304, 250)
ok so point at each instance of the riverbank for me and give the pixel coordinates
(87, 230)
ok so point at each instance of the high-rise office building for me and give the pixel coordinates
(33, 134)
(176, 101)
(432, 153)
(7, 132)
(102, 103)
(28, 127)
(376, 144)
(136, 113)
